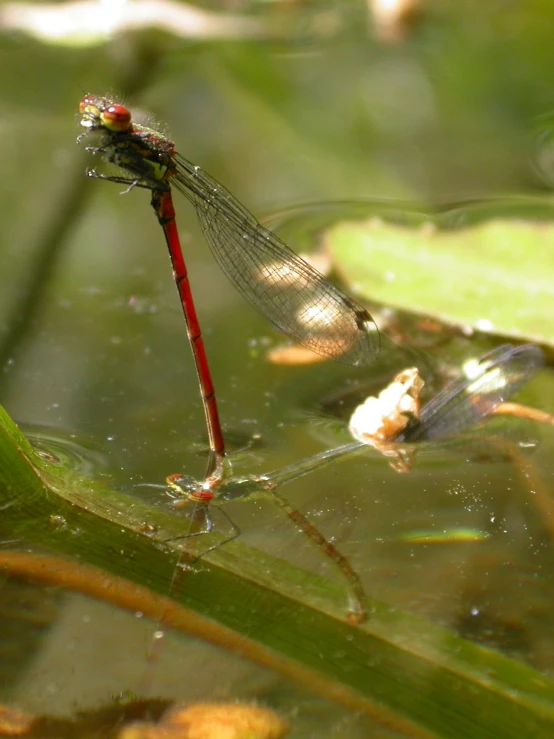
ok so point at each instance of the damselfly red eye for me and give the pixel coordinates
(86, 102)
(116, 118)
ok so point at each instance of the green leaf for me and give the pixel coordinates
(495, 275)
(396, 667)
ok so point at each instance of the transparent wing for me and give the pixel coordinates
(283, 287)
(464, 402)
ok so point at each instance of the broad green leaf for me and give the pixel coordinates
(495, 275)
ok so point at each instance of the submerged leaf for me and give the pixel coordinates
(496, 276)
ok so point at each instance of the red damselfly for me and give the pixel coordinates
(282, 286)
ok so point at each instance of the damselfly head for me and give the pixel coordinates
(102, 113)
(188, 490)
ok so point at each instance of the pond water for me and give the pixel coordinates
(98, 371)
